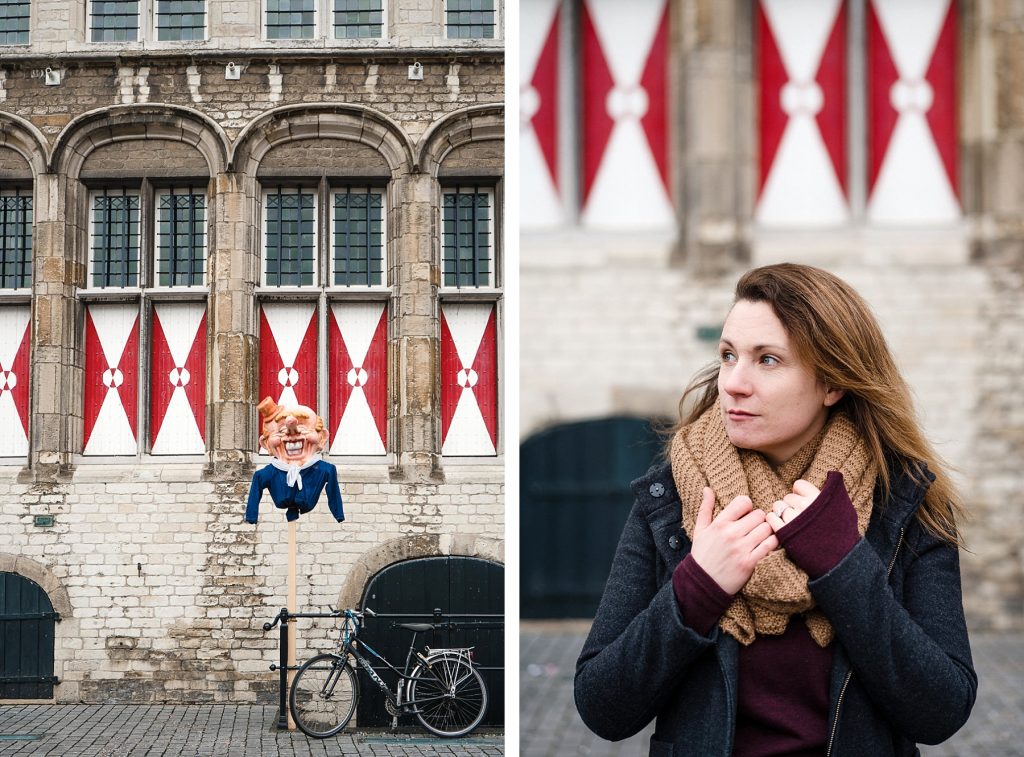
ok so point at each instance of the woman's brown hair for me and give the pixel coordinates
(835, 333)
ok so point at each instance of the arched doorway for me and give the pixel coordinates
(26, 638)
(469, 591)
(574, 500)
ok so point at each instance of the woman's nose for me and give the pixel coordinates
(737, 382)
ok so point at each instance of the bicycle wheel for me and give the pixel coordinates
(324, 695)
(450, 696)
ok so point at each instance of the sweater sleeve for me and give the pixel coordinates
(822, 535)
(701, 600)
(252, 508)
(334, 494)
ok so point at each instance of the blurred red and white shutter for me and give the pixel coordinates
(288, 353)
(541, 203)
(111, 380)
(469, 379)
(14, 348)
(625, 126)
(178, 379)
(912, 144)
(358, 378)
(801, 53)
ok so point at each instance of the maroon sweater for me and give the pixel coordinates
(783, 697)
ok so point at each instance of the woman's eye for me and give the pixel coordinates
(727, 357)
(769, 360)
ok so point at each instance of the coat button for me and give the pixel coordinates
(674, 542)
(657, 490)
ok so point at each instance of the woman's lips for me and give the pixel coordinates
(740, 415)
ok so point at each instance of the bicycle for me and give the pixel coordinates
(445, 691)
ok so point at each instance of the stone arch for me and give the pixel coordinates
(24, 138)
(473, 124)
(41, 575)
(323, 121)
(402, 548)
(129, 122)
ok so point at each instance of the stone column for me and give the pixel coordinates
(711, 72)
(233, 358)
(414, 319)
(56, 397)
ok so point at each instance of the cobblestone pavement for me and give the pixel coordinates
(550, 727)
(202, 731)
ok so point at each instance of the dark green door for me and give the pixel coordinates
(574, 494)
(468, 591)
(26, 639)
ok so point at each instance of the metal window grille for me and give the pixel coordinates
(179, 20)
(289, 253)
(115, 239)
(181, 238)
(14, 16)
(356, 19)
(15, 239)
(467, 237)
(114, 21)
(291, 19)
(358, 237)
(470, 19)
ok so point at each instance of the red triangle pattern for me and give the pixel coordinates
(831, 77)
(597, 83)
(882, 117)
(941, 116)
(545, 82)
(773, 79)
(655, 82)
(19, 367)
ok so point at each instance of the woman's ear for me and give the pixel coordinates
(832, 396)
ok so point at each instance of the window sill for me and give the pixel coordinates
(359, 293)
(15, 296)
(467, 294)
(177, 293)
(288, 293)
(111, 294)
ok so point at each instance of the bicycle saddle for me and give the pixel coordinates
(418, 627)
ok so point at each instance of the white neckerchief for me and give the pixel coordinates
(294, 478)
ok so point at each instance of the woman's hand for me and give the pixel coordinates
(790, 506)
(728, 547)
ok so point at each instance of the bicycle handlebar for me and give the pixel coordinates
(283, 614)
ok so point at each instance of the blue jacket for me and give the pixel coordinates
(902, 671)
(296, 501)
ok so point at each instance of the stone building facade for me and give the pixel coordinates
(262, 205)
(782, 135)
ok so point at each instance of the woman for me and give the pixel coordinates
(789, 583)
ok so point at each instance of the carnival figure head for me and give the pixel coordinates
(291, 433)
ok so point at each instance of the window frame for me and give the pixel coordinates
(138, 24)
(127, 189)
(333, 190)
(155, 19)
(20, 189)
(28, 31)
(146, 28)
(143, 297)
(490, 188)
(317, 24)
(497, 26)
(331, 29)
(298, 187)
(167, 191)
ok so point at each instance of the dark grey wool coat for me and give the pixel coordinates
(902, 671)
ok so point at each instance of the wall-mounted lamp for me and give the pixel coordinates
(416, 71)
(52, 77)
(232, 71)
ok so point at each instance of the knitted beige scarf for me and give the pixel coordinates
(702, 455)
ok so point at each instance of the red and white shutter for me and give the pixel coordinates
(111, 380)
(625, 115)
(288, 353)
(801, 54)
(912, 143)
(14, 348)
(541, 204)
(358, 363)
(469, 379)
(178, 379)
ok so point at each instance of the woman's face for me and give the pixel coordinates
(772, 402)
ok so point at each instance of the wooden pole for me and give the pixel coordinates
(292, 608)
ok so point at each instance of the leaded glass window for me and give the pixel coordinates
(180, 20)
(15, 239)
(14, 16)
(289, 237)
(358, 237)
(116, 21)
(114, 254)
(354, 19)
(470, 19)
(181, 238)
(468, 228)
(291, 19)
